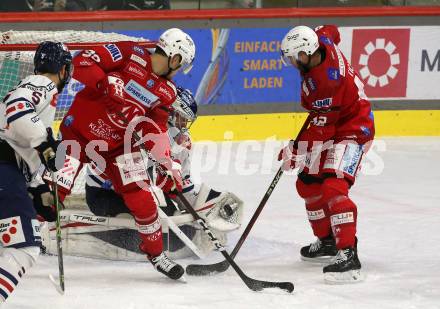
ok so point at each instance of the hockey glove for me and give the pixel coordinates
(47, 151)
(43, 202)
(171, 180)
(112, 89)
(290, 157)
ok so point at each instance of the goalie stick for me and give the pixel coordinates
(208, 269)
(253, 284)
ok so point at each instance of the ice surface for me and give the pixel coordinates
(399, 244)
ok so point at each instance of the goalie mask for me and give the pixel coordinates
(184, 110)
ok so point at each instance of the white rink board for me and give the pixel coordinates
(421, 85)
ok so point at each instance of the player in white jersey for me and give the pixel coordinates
(223, 210)
(26, 142)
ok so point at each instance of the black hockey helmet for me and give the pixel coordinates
(50, 57)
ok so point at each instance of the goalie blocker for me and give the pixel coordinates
(117, 239)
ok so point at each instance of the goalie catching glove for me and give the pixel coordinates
(223, 211)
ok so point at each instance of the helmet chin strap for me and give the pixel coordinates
(170, 70)
(63, 81)
(304, 67)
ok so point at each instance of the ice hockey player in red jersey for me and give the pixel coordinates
(124, 82)
(330, 150)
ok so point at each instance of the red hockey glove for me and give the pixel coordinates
(290, 157)
(172, 179)
(112, 88)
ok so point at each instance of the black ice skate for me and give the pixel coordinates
(166, 266)
(321, 251)
(345, 268)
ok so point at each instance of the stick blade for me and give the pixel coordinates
(56, 285)
(208, 269)
(257, 285)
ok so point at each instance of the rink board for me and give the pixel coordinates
(284, 126)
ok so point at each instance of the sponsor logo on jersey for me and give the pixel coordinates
(138, 60)
(131, 168)
(85, 63)
(104, 131)
(324, 103)
(365, 131)
(380, 56)
(315, 214)
(66, 174)
(140, 93)
(114, 51)
(351, 159)
(139, 50)
(311, 83)
(340, 61)
(68, 121)
(165, 91)
(36, 229)
(136, 70)
(325, 40)
(11, 231)
(150, 83)
(305, 89)
(35, 119)
(346, 217)
(131, 110)
(333, 74)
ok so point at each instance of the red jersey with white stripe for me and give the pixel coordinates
(147, 95)
(333, 93)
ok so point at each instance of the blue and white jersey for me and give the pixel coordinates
(25, 113)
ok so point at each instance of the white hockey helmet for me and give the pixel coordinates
(298, 39)
(176, 42)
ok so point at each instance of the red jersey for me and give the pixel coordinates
(146, 93)
(333, 93)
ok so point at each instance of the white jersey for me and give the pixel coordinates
(25, 113)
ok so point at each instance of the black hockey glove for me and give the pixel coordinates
(47, 151)
(43, 202)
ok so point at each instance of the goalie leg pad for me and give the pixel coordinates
(317, 210)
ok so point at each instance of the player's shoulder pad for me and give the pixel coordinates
(33, 84)
(328, 34)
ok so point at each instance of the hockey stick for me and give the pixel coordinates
(208, 269)
(253, 284)
(60, 287)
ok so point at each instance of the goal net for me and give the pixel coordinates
(16, 62)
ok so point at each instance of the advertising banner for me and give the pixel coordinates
(243, 65)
